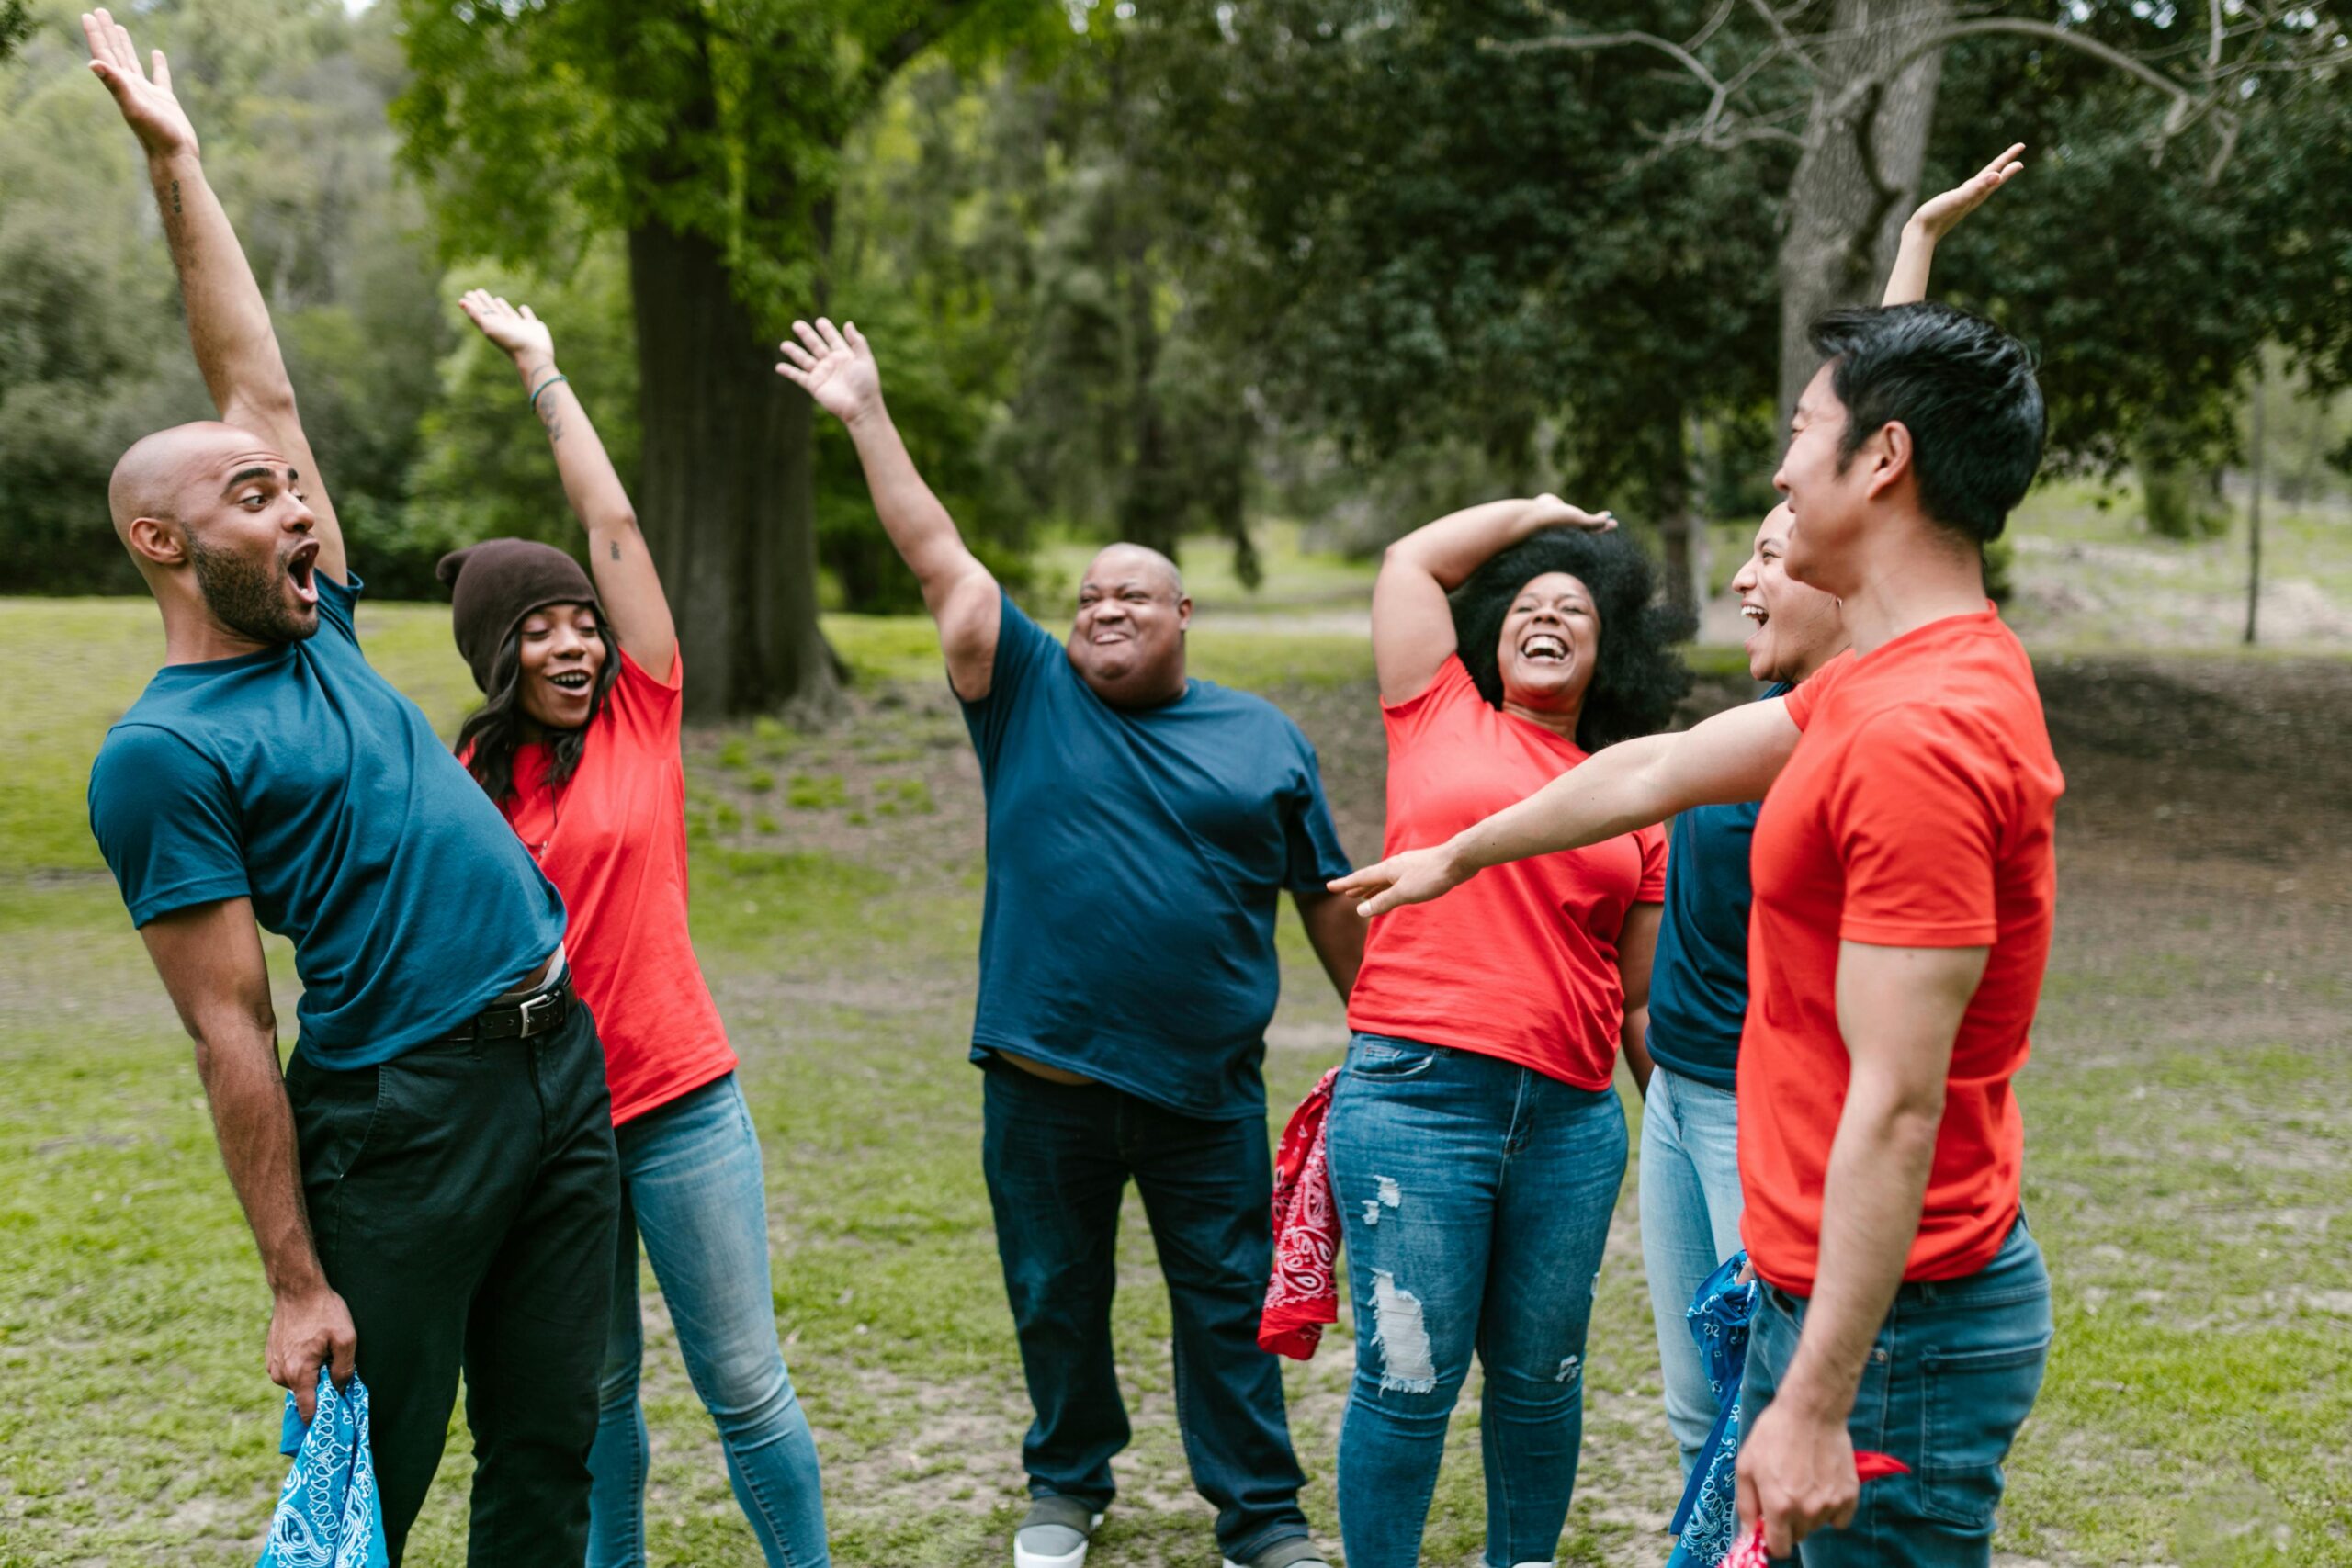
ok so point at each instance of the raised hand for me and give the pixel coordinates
(523, 335)
(148, 106)
(1938, 214)
(1415, 876)
(835, 367)
(1551, 512)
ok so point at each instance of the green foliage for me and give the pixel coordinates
(288, 97)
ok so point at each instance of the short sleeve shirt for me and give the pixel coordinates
(1520, 961)
(301, 778)
(614, 843)
(1917, 810)
(1135, 860)
(1699, 984)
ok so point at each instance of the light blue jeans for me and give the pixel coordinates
(1690, 1197)
(1475, 1195)
(692, 1184)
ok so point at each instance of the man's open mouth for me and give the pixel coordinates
(301, 569)
(1544, 648)
(1753, 613)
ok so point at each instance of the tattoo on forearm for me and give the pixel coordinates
(616, 549)
(553, 419)
(175, 199)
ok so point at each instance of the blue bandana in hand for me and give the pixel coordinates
(329, 1514)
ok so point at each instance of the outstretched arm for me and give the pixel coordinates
(623, 566)
(837, 368)
(209, 957)
(1937, 216)
(228, 324)
(1412, 625)
(1734, 756)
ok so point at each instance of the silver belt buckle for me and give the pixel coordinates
(538, 1013)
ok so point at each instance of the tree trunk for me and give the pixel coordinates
(2253, 501)
(1678, 525)
(1858, 179)
(726, 486)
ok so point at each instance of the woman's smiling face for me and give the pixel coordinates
(561, 649)
(1550, 642)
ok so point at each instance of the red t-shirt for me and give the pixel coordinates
(1520, 961)
(1917, 811)
(614, 843)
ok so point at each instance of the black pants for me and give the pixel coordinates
(464, 1199)
(1058, 1157)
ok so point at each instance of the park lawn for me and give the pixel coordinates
(2186, 1170)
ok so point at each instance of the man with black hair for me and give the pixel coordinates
(431, 1181)
(1903, 893)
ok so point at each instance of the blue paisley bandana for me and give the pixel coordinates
(329, 1514)
(1708, 1521)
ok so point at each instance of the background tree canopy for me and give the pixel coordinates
(1150, 271)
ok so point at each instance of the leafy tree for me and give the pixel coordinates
(711, 138)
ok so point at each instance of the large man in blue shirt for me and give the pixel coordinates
(1142, 827)
(431, 1182)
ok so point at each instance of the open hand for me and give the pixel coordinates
(1415, 876)
(1939, 215)
(147, 105)
(523, 335)
(307, 1331)
(835, 367)
(1551, 512)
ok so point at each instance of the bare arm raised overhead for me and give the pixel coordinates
(617, 556)
(228, 324)
(1906, 284)
(836, 367)
(1412, 625)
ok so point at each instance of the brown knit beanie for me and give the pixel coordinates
(494, 584)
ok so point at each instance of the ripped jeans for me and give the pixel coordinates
(1475, 1196)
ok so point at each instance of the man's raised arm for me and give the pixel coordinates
(228, 324)
(1734, 756)
(836, 367)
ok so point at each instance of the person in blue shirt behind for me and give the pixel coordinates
(431, 1182)
(1690, 1147)
(1142, 827)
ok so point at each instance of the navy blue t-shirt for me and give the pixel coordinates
(1698, 979)
(1136, 860)
(301, 778)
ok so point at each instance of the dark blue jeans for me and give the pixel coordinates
(1058, 1157)
(1475, 1196)
(1953, 1373)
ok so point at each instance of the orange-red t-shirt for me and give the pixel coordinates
(614, 843)
(1917, 811)
(1520, 961)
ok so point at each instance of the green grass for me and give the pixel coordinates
(2185, 1174)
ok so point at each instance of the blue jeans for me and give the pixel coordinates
(691, 1183)
(1475, 1195)
(1953, 1373)
(1057, 1157)
(1689, 1196)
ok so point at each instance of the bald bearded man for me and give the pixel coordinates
(431, 1182)
(1142, 826)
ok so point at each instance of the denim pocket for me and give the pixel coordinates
(1976, 1400)
(1385, 1060)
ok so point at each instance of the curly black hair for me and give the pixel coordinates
(495, 729)
(1638, 678)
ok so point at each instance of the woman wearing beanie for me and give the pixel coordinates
(578, 744)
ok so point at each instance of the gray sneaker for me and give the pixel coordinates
(1297, 1551)
(1055, 1534)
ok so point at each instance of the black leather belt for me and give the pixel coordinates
(535, 1014)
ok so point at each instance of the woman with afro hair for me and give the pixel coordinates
(1475, 1140)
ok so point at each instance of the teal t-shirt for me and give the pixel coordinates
(301, 778)
(1135, 862)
